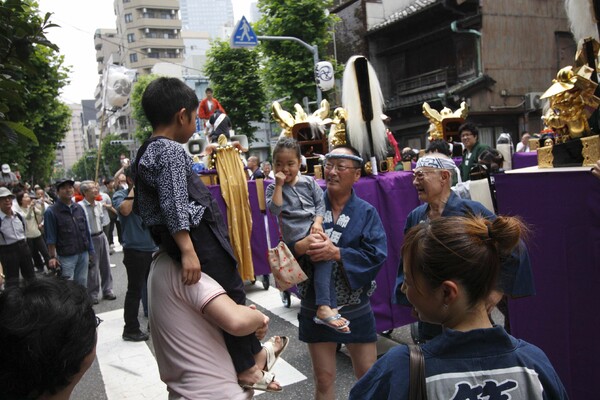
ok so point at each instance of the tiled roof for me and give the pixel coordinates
(416, 5)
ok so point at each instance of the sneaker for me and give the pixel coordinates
(138, 336)
(109, 296)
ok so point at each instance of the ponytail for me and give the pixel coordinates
(466, 249)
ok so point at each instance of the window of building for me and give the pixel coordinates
(128, 18)
(126, 1)
(133, 57)
(130, 37)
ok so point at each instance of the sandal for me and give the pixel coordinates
(328, 322)
(272, 355)
(263, 383)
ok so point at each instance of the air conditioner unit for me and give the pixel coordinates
(175, 31)
(533, 101)
(147, 30)
(176, 51)
(149, 50)
(144, 10)
(172, 12)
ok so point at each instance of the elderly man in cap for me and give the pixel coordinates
(8, 178)
(432, 179)
(14, 251)
(67, 235)
(100, 265)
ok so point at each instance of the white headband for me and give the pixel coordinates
(439, 163)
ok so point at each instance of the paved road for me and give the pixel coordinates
(126, 370)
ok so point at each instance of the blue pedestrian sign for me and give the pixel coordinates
(243, 35)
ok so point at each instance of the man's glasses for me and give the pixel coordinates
(340, 168)
(420, 175)
(98, 321)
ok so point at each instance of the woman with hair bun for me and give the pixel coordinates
(451, 265)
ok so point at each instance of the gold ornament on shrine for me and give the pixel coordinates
(445, 123)
(571, 103)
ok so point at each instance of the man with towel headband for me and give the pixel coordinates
(432, 179)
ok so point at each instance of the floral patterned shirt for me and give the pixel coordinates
(165, 168)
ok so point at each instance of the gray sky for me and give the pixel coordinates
(78, 20)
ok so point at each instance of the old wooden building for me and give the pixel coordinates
(496, 55)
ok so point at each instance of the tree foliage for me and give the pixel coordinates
(234, 76)
(20, 31)
(289, 66)
(110, 161)
(111, 154)
(85, 167)
(31, 76)
(143, 129)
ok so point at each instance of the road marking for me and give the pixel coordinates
(129, 369)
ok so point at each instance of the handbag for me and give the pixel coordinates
(284, 267)
(417, 388)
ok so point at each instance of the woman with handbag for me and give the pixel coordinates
(451, 266)
(356, 241)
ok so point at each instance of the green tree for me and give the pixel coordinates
(143, 129)
(21, 31)
(85, 167)
(46, 114)
(111, 153)
(288, 66)
(234, 76)
(31, 76)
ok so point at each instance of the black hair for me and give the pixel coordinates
(468, 249)
(286, 143)
(438, 146)
(19, 195)
(468, 126)
(47, 328)
(164, 97)
(209, 90)
(492, 159)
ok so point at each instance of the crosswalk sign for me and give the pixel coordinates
(243, 35)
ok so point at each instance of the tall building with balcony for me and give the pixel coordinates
(72, 147)
(149, 32)
(210, 16)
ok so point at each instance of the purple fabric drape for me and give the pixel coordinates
(563, 210)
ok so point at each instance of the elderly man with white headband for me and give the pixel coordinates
(432, 179)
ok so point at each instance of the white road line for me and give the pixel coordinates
(271, 300)
(128, 369)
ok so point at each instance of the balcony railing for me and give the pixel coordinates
(430, 80)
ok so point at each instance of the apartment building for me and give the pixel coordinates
(149, 33)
